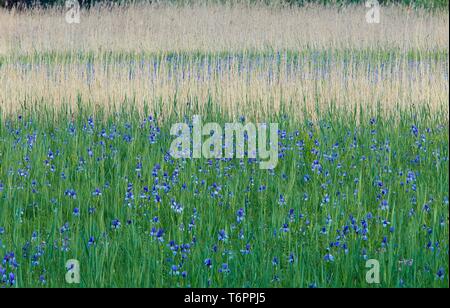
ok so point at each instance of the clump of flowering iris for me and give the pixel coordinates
(223, 235)
(328, 258)
(115, 224)
(224, 269)
(91, 241)
(76, 212)
(240, 214)
(208, 263)
(97, 192)
(440, 273)
(71, 193)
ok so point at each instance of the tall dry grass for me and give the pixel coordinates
(157, 28)
(237, 85)
(389, 67)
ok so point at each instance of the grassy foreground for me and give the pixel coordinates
(104, 191)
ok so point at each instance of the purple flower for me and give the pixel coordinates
(328, 258)
(222, 235)
(224, 268)
(97, 192)
(384, 242)
(414, 130)
(291, 258)
(12, 279)
(208, 263)
(275, 261)
(174, 269)
(160, 235)
(281, 200)
(76, 212)
(91, 241)
(440, 274)
(64, 228)
(115, 224)
(246, 251)
(240, 215)
(384, 205)
(71, 193)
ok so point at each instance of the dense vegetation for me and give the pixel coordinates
(104, 190)
(363, 147)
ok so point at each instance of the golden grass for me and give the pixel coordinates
(156, 28)
(403, 81)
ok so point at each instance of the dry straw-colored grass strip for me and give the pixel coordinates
(156, 28)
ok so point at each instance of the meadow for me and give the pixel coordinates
(85, 170)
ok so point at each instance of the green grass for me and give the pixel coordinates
(129, 257)
(374, 55)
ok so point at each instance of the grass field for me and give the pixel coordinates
(85, 172)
